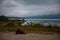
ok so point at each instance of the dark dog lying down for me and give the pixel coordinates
(20, 32)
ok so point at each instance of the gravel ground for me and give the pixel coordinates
(28, 36)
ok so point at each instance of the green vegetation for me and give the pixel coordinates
(3, 19)
(13, 25)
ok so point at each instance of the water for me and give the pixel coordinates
(45, 21)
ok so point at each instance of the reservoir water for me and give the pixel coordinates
(45, 21)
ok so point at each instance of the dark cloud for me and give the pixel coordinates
(1, 1)
(39, 2)
(9, 5)
(1, 6)
(28, 7)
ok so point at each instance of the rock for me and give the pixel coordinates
(20, 32)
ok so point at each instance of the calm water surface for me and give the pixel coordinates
(45, 21)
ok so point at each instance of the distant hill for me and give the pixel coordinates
(54, 16)
(3, 18)
(15, 18)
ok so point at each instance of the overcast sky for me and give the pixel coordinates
(22, 8)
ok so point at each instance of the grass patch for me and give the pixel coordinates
(31, 28)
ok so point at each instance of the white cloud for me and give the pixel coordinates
(13, 8)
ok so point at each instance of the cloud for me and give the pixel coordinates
(28, 2)
(22, 8)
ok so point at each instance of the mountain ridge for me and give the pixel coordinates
(54, 16)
